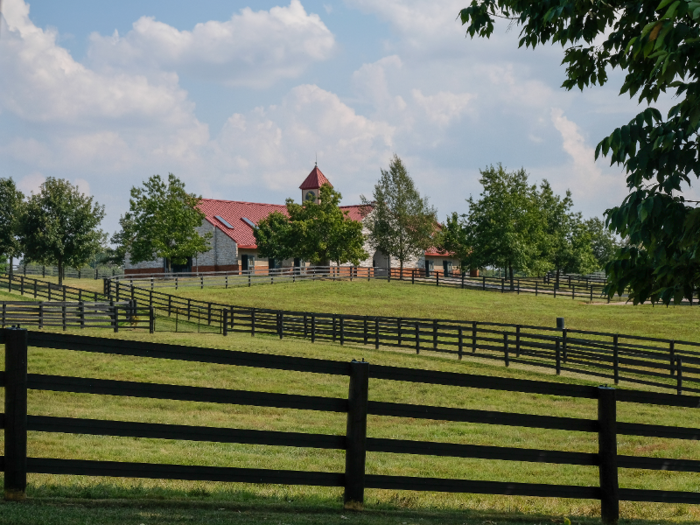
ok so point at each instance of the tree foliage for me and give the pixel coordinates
(59, 226)
(455, 237)
(603, 242)
(319, 232)
(566, 243)
(162, 221)
(503, 223)
(11, 209)
(401, 223)
(656, 43)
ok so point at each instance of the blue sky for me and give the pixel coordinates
(238, 99)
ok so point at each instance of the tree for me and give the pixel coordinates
(456, 237)
(60, 226)
(603, 242)
(504, 222)
(565, 242)
(319, 232)
(401, 223)
(11, 208)
(655, 43)
(162, 221)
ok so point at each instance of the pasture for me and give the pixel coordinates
(401, 299)
(70, 499)
(256, 498)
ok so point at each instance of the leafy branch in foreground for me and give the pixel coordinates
(657, 44)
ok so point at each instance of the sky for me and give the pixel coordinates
(239, 99)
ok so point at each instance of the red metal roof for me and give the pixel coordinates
(235, 211)
(315, 180)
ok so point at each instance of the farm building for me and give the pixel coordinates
(233, 245)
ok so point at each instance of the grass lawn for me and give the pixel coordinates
(402, 299)
(154, 501)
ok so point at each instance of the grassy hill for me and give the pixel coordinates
(405, 300)
(263, 497)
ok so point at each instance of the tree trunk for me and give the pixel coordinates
(556, 280)
(510, 270)
(400, 268)
(10, 272)
(60, 272)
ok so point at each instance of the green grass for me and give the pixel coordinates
(73, 499)
(401, 299)
(49, 490)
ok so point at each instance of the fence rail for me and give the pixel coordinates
(39, 289)
(569, 286)
(78, 314)
(653, 362)
(88, 272)
(17, 422)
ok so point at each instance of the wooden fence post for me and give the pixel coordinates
(41, 315)
(483, 282)
(460, 342)
(616, 360)
(417, 332)
(558, 357)
(356, 436)
(342, 330)
(313, 328)
(535, 288)
(152, 320)
(398, 322)
(473, 337)
(81, 309)
(376, 334)
(607, 454)
(15, 414)
(679, 376)
(366, 330)
(564, 353)
(435, 334)
(462, 280)
(252, 322)
(505, 349)
(503, 285)
(517, 341)
(281, 325)
(672, 356)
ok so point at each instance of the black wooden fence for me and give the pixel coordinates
(77, 315)
(39, 289)
(16, 423)
(642, 360)
(569, 286)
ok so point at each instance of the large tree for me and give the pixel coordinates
(162, 221)
(504, 222)
(655, 42)
(401, 223)
(59, 226)
(319, 232)
(566, 244)
(11, 208)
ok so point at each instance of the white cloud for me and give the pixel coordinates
(31, 183)
(584, 176)
(277, 144)
(253, 48)
(443, 107)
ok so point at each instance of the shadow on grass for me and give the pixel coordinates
(106, 504)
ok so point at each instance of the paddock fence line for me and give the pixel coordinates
(17, 422)
(77, 315)
(660, 363)
(87, 272)
(568, 287)
(39, 289)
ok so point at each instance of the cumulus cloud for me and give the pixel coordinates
(31, 183)
(443, 107)
(253, 48)
(584, 176)
(277, 143)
